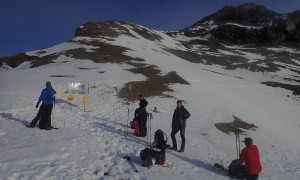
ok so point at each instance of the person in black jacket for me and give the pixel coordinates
(180, 116)
(143, 102)
(141, 115)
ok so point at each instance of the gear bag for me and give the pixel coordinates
(235, 170)
(137, 131)
(151, 156)
(132, 124)
(160, 140)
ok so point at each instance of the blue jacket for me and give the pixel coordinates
(46, 96)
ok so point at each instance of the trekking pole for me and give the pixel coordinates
(53, 115)
(236, 144)
(150, 129)
(239, 142)
(127, 121)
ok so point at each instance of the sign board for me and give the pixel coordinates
(71, 97)
(78, 88)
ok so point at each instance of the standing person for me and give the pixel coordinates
(248, 166)
(143, 101)
(141, 115)
(44, 115)
(180, 116)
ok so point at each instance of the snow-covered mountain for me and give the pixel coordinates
(225, 86)
(247, 24)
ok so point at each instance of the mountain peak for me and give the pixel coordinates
(246, 14)
(249, 23)
(98, 29)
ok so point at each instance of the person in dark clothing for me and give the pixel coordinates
(248, 166)
(143, 102)
(141, 115)
(44, 114)
(180, 116)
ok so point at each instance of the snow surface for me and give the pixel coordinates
(88, 144)
(208, 26)
(59, 48)
(284, 49)
(253, 57)
(243, 26)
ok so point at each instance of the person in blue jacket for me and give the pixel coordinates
(44, 114)
(180, 116)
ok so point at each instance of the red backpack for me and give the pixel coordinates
(137, 131)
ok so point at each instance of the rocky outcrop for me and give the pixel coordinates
(247, 24)
(16, 60)
(113, 29)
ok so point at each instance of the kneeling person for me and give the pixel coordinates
(248, 166)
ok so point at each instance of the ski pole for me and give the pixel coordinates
(131, 163)
(53, 115)
(127, 121)
(239, 142)
(236, 144)
(150, 129)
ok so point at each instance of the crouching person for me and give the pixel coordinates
(248, 166)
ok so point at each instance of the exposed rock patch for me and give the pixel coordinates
(16, 60)
(294, 88)
(236, 124)
(103, 29)
(154, 85)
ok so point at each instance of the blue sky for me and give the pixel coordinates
(27, 25)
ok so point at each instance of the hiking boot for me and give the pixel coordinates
(173, 148)
(181, 150)
(49, 128)
(30, 126)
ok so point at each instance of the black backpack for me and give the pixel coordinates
(235, 170)
(151, 157)
(160, 140)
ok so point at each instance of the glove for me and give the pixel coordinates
(37, 106)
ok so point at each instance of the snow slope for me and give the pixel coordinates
(87, 144)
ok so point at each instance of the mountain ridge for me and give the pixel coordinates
(103, 42)
(247, 24)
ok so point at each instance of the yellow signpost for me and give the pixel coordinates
(85, 99)
(71, 97)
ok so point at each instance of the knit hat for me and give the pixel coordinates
(48, 84)
(143, 103)
(248, 141)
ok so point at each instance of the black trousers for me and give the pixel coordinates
(44, 115)
(182, 135)
(237, 171)
(248, 176)
(38, 116)
(143, 127)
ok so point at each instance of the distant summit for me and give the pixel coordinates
(248, 14)
(247, 24)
